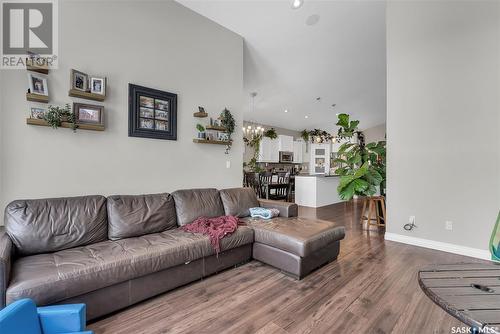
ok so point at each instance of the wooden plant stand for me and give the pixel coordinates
(375, 205)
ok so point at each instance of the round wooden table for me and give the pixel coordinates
(468, 291)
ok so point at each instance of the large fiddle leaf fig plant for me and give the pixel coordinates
(362, 167)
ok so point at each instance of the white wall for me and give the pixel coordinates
(375, 134)
(158, 44)
(443, 119)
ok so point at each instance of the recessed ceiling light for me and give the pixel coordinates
(297, 3)
(286, 110)
(306, 116)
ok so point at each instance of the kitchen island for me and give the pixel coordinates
(316, 190)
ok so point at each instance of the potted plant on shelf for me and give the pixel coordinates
(55, 115)
(201, 131)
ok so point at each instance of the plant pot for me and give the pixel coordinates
(64, 118)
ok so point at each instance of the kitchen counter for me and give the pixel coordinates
(316, 190)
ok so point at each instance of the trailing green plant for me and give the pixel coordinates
(227, 121)
(320, 136)
(362, 166)
(304, 134)
(254, 143)
(55, 115)
(200, 127)
(316, 136)
(271, 133)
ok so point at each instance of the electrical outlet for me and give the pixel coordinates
(411, 220)
(448, 225)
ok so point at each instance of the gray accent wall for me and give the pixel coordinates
(443, 119)
(157, 44)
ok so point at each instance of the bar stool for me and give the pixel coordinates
(375, 205)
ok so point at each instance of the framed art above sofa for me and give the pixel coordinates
(152, 113)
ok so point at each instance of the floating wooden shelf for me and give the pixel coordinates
(217, 142)
(214, 127)
(37, 98)
(200, 114)
(38, 69)
(41, 122)
(86, 95)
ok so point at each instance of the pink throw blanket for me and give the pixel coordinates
(215, 228)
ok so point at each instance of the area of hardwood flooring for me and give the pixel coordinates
(371, 288)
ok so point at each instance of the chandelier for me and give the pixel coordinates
(252, 130)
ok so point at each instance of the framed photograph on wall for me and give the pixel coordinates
(38, 84)
(98, 85)
(152, 113)
(37, 113)
(79, 80)
(88, 113)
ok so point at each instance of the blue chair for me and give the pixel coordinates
(23, 317)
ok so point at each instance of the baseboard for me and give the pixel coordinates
(441, 246)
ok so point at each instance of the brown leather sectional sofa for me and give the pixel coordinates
(113, 252)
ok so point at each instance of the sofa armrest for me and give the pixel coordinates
(286, 209)
(62, 318)
(6, 249)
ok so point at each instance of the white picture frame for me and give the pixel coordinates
(37, 84)
(98, 85)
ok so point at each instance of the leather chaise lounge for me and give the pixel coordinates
(112, 252)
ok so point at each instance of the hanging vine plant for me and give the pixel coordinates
(228, 122)
(271, 133)
(305, 135)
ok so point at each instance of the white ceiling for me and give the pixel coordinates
(289, 63)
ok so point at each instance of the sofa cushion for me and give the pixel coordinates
(48, 225)
(237, 201)
(299, 236)
(194, 203)
(49, 278)
(136, 215)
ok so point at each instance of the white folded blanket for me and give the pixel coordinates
(264, 213)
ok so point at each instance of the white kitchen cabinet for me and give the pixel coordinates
(306, 147)
(285, 143)
(298, 149)
(320, 159)
(268, 150)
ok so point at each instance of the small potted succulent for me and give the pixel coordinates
(201, 131)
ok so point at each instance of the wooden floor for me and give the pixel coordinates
(371, 288)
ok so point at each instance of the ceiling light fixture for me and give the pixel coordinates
(253, 130)
(286, 110)
(296, 4)
(306, 116)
